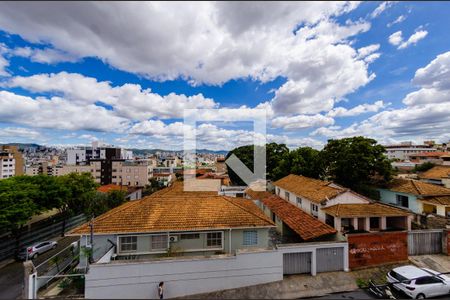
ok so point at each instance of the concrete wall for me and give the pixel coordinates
(390, 197)
(182, 277)
(370, 249)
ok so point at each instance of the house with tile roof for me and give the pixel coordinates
(418, 196)
(439, 175)
(131, 192)
(174, 221)
(331, 203)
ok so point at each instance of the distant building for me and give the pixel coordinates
(403, 150)
(221, 167)
(12, 163)
(434, 157)
(83, 155)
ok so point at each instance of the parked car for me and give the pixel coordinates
(36, 249)
(419, 283)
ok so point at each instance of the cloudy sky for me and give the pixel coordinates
(124, 73)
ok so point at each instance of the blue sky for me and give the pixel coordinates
(123, 73)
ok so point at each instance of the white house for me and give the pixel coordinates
(340, 207)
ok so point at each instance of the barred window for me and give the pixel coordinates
(250, 237)
(128, 243)
(214, 239)
(189, 236)
(159, 242)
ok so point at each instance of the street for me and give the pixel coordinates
(11, 275)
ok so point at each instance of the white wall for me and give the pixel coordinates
(182, 277)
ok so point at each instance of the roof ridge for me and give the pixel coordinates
(416, 187)
(244, 208)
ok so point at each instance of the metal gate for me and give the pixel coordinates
(330, 259)
(296, 263)
(422, 242)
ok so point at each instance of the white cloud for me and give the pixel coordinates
(3, 61)
(302, 121)
(57, 113)
(380, 8)
(46, 55)
(357, 110)
(396, 39)
(400, 19)
(128, 101)
(20, 132)
(425, 116)
(413, 39)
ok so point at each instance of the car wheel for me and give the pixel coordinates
(420, 296)
(35, 255)
(54, 247)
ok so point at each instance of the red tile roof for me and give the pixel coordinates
(364, 210)
(111, 187)
(418, 188)
(430, 154)
(305, 225)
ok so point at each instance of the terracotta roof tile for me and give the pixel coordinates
(305, 225)
(171, 209)
(257, 195)
(440, 200)
(312, 189)
(430, 154)
(364, 210)
(416, 187)
(436, 172)
(111, 187)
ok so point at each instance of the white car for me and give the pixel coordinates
(419, 283)
(32, 251)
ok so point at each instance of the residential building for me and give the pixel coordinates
(221, 167)
(131, 193)
(328, 201)
(130, 173)
(164, 178)
(171, 162)
(418, 196)
(172, 221)
(11, 161)
(83, 155)
(434, 157)
(403, 150)
(439, 175)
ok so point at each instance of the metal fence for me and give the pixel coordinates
(8, 243)
(422, 242)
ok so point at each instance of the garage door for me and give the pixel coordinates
(296, 263)
(330, 259)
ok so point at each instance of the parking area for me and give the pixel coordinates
(11, 275)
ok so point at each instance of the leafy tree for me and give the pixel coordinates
(301, 161)
(353, 162)
(154, 186)
(115, 198)
(81, 188)
(423, 167)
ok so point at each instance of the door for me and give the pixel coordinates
(296, 263)
(330, 259)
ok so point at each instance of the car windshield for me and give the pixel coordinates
(398, 276)
(23, 250)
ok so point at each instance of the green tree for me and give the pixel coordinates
(301, 161)
(423, 167)
(115, 198)
(353, 162)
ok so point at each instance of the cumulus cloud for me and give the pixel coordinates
(425, 115)
(128, 101)
(3, 61)
(20, 132)
(302, 121)
(396, 39)
(357, 110)
(57, 113)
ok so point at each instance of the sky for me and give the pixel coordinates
(126, 73)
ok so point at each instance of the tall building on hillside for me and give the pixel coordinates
(83, 155)
(11, 160)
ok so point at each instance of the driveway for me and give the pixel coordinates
(438, 262)
(11, 275)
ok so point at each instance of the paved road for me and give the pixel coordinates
(357, 294)
(11, 276)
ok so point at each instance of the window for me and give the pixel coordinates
(427, 280)
(250, 237)
(128, 243)
(286, 195)
(214, 239)
(190, 236)
(278, 191)
(314, 210)
(402, 200)
(159, 242)
(299, 201)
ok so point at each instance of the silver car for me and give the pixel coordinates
(36, 249)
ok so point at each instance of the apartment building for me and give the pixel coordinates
(83, 155)
(403, 150)
(11, 161)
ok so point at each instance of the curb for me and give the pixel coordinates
(6, 262)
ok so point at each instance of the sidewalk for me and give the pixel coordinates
(291, 287)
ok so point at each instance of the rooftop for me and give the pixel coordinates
(111, 187)
(313, 189)
(364, 210)
(171, 209)
(440, 200)
(305, 225)
(415, 187)
(436, 172)
(428, 154)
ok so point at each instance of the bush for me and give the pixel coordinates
(423, 167)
